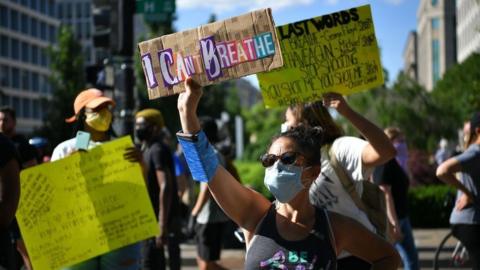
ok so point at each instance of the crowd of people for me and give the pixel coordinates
(316, 174)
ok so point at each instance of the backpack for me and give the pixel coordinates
(372, 201)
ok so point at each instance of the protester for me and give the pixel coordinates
(162, 188)
(393, 181)
(9, 194)
(93, 114)
(465, 217)
(27, 156)
(292, 233)
(398, 140)
(356, 156)
(210, 220)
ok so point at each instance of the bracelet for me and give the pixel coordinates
(202, 160)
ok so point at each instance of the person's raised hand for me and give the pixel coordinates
(336, 101)
(188, 101)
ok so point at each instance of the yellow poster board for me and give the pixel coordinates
(84, 205)
(337, 52)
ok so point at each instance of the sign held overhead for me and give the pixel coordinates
(211, 53)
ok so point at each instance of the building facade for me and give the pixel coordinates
(436, 42)
(410, 56)
(27, 29)
(78, 15)
(468, 28)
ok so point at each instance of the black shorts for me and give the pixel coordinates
(208, 238)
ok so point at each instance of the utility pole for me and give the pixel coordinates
(113, 30)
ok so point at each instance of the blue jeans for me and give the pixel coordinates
(125, 258)
(406, 248)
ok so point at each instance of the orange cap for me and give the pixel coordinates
(90, 98)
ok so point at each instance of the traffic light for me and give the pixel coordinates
(113, 25)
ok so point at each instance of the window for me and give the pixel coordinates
(15, 49)
(34, 54)
(35, 82)
(87, 9)
(43, 58)
(15, 78)
(79, 10)
(434, 2)
(25, 3)
(24, 23)
(52, 33)
(78, 30)
(14, 20)
(435, 60)
(68, 11)
(25, 52)
(26, 80)
(6, 100)
(34, 4)
(60, 10)
(43, 31)
(4, 72)
(26, 108)
(33, 27)
(16, 105)
(36, 109)
(43, 6)
(87, 29)
(4, 46)
(435, 23)
(51, 8)
(3, 16)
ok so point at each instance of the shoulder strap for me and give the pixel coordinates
(347, 183)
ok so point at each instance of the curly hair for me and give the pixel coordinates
(308, 141)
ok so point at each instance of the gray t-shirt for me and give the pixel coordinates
(470, 177)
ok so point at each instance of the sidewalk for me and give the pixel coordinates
(426, 240)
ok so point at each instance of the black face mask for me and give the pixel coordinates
(144, 133)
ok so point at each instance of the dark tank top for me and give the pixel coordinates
(268, 250)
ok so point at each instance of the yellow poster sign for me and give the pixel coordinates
(337, 52)
(84, 205)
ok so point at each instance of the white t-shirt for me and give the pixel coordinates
(327, 190)
(66, 148)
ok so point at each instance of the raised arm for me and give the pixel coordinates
(379, 148)
(243, 205)
(366, 245)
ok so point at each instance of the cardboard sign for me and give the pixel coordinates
(84, 205)
(337, 52)
(211, 53)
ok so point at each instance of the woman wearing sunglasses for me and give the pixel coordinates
(292, 234)
(357, 158)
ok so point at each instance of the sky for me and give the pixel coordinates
(393, 19)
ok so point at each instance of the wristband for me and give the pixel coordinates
(200, 155)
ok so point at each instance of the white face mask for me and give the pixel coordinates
(283, 181)
(284, 127)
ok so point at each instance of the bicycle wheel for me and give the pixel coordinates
(451, 254)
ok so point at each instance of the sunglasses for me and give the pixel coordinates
(286, 158)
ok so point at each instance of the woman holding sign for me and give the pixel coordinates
(93, 119)
(292, 234)
(357, 158)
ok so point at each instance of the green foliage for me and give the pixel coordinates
(261, 125)
(67, 81)
(430, 206)
(458, 91)
(252, 174)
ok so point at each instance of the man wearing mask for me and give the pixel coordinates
(162, 188)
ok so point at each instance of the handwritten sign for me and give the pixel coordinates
(211, 53)
(84, 205)
(337, 52)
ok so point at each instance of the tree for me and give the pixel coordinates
(261, 125)
(67, 80)
(458, 91)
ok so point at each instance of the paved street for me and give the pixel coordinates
(427, 241)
